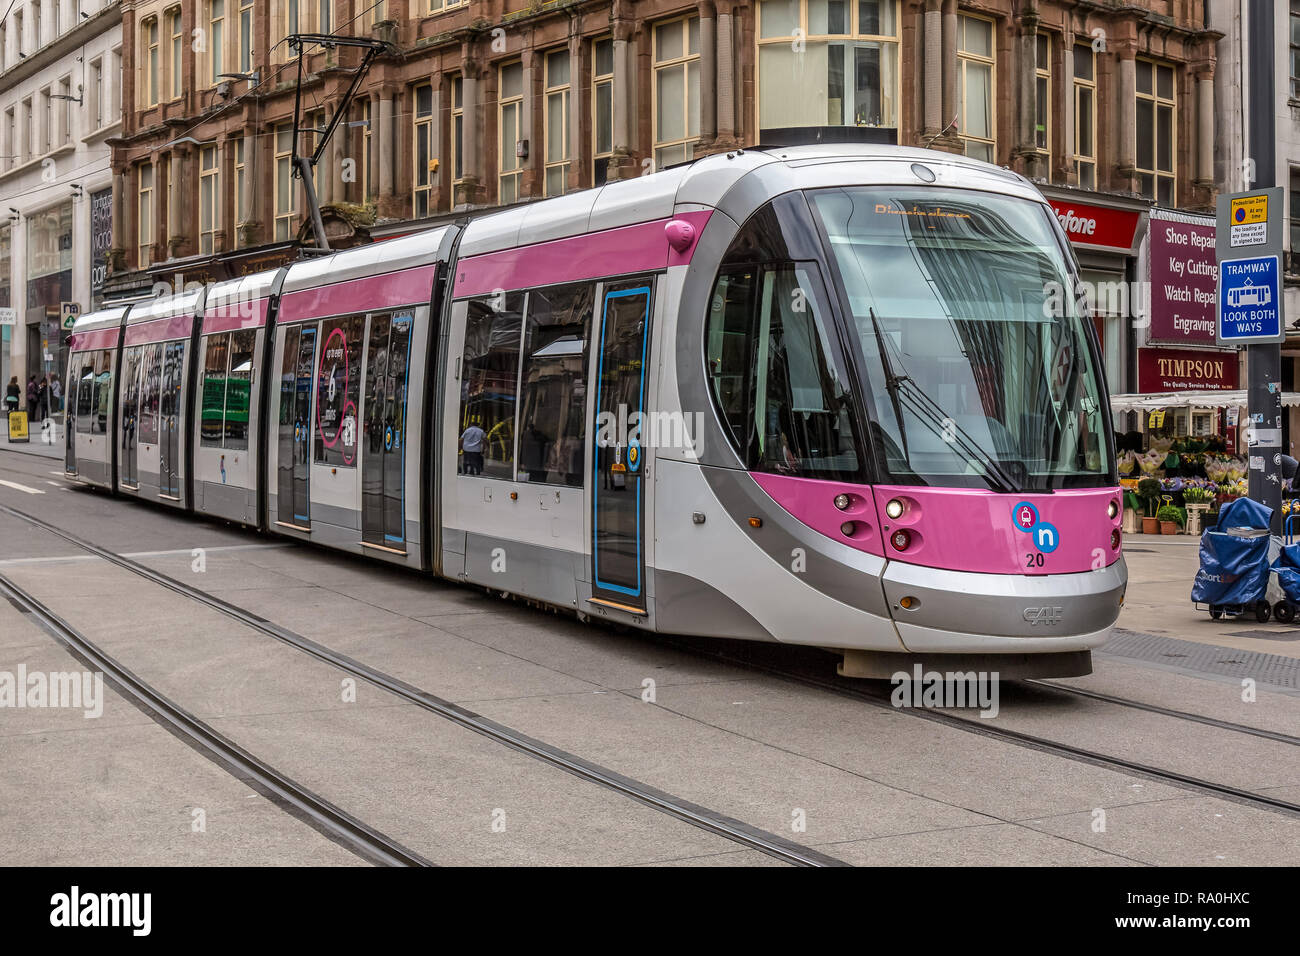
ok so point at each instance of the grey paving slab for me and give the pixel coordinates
(1196, 694)
(437, 792)
(1001, 844)
(1201, 831)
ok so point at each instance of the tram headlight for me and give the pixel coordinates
(901, 539)
(842, 502)
(894, 509)
(1113, 508)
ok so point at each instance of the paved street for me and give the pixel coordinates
(845, 777)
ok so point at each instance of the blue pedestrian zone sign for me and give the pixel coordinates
(1250, 301)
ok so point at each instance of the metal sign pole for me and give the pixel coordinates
(1264, 362)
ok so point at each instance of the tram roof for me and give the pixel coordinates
(719, 182)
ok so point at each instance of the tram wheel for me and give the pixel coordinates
(1284, 612)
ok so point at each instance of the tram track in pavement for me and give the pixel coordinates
(319, 813)
(881, 698)
(685, 811)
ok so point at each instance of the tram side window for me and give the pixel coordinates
(554, 390)
(489, 380)
(781, 391)
(212, 415)
(239, 388)
(85, 391)
(338, 391)
(103, 390)
(150, 394)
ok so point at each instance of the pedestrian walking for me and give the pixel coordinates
(471, 443)
(13, 395)
(42, 399)
(56, 393)
(31, 396)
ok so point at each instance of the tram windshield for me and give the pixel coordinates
(976, 358)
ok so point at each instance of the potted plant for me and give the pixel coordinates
(1197, 498)
(1170, 519)
(1149, 491)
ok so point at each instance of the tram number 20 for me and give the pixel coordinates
(1034, 559)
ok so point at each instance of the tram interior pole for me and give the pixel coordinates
(1263, 362)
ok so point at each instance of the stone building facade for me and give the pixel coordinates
(490, 102)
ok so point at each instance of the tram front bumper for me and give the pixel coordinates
(967, 612)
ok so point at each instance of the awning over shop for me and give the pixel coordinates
(1223, 398)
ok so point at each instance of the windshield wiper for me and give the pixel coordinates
(903, 388)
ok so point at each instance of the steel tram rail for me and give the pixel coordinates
(705, 819)
(1019, 738)
(322, 815)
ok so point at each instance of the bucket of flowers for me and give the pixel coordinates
(1197, 495)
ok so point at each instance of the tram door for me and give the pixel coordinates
(618, 499)
(383, 461)
(296, 372)
(70, 415)
(169, 441)
(129, 459)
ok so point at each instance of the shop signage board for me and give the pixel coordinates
(8, 316)
(18, 428)
(1249, 250)
(1089, 225)
(1183, 273)
(1186, 370)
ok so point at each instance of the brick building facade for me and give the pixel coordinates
(489, 102)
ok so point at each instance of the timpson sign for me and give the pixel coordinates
(1186, 370)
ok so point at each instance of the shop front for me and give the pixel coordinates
(49, 284)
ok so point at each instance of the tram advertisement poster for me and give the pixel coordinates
(1184, 281)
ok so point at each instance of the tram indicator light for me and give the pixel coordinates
(901, 539)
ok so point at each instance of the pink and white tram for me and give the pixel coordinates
(827, 395)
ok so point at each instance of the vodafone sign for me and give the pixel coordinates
(1088, 225)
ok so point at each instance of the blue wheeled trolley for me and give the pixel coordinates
(1234, 573)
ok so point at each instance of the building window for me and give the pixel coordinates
(174, 67)
(373, 14)
(557, 122)
(437, 6)
(1155, 131)
(457, 151)
(676, 90)
(216, 40)
(424, 163)
(1043, 97)
(65, 111)
(245, 36)
(97, 92)
(144, 224)
(367, 144)
(209, 200)
(115, 106)
(827, 62)
(47, 124)
(313, 125)
(11, 156)
(602, 109)
(149, 68)
(511, 97)
(29, 130)
(325, 16)
(975, 80)
(1293, 247)
(1295, 49)
(1085, 115)
(285, 200)
(18, 29)
(241, 184)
